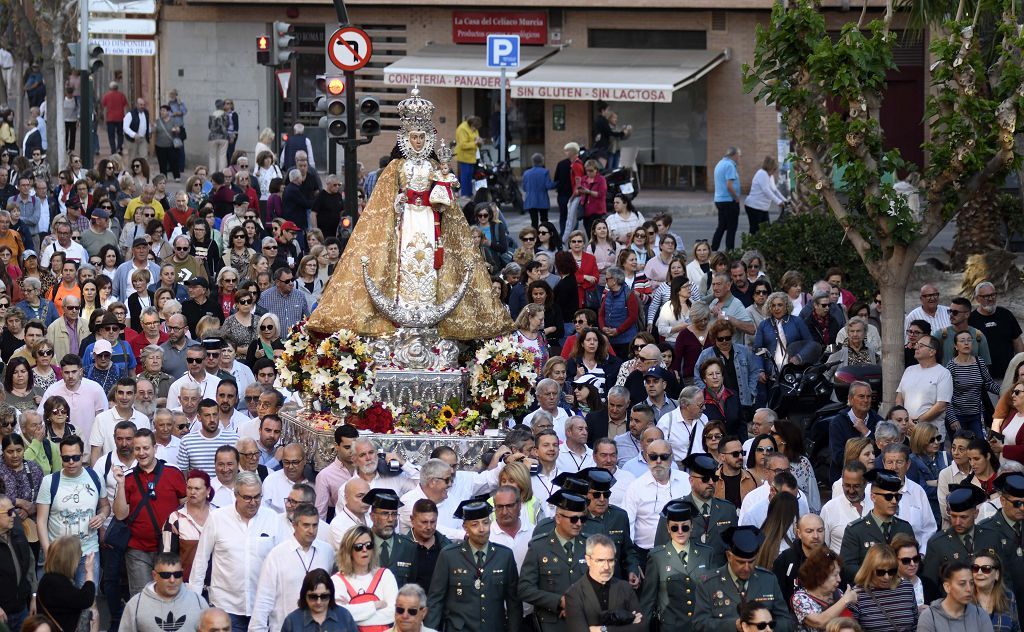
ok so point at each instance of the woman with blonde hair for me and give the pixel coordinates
(991, 593)
(361, 585)
(57, 596)
(529, 333)
(517, 474)
(268, 339)
(885, 601)
(557, 369)
(927, 453)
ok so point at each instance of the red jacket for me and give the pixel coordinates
(587, 267)
(138, 342)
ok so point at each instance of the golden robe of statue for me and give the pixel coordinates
(346, 304)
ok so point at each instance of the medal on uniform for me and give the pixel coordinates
(458, 592)
(704, 539)
(477, 584)
(1020, 552)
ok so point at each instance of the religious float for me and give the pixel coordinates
(408, 342)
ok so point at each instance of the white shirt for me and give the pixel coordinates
(678, 432)
(623, 480)
(569, 461)
(543, 487)
(950, 475)
(763, 191)
(756, 503)
(276, 488)
(243, 376)
(109, 482)
(915, 509)
(169, 452)
(645, 499)
(286, 531)
(73, 251)
(281, 578)
(559, 419)
(921, 388)
(519, 544)
(223, 495)
(250, 429)
(447, 524)
(342, 522)
(207, 387)
(236, 420)
(102, 432)
(238, 549)
(938, 322)
(837, 514)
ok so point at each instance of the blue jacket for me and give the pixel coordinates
(536, 184)
(766, 336)
(748, 369)
(47, 311)
(338, 620)
(840, 430)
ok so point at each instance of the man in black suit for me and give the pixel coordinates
(615, 416)
(856, 420)
(594, 599)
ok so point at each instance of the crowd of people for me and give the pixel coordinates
(145, 458)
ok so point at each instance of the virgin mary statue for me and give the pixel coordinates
(417, 248)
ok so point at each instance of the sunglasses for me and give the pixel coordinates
(906, 561)
(984, 569)
(764, 625)
(266, 328)
(679, 528)
(723, 338)
(890, 497)
(411, 611)
(182, 426)
(882, 572)
(529, 239)
(170, 574)
(71, 458)
(194, 360)
(363, 546)
(321, 597)
(764, 449)
(654, 456)
(707, 479)
(246, 301)
(44, 353)
(572, 519)
(761, 292)
(734, 454)
(1017, 504)
(601, 494)
(714, 437)
(11, 511)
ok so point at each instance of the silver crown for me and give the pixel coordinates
(443, 151)
(416, 112)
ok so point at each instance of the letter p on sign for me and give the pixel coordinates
(502, 51)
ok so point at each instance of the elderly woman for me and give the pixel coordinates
(795, 336)
(152, 362)
(317, 608)
(240, 328)
(820, 321)
(269, 339)
(691, 341)
(38, 448)
(35, 307)
(741, 368)
(21, 477)
(527, 245)
(971, 382)
(862, 310)
(227, 283)
(529, 333)
(362, 586)
(885, 601)
(819, 599)
(856, 350)
(620, 311)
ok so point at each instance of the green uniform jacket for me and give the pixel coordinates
(547, 574)
(946, 546)
(402, 561)
(718, 596)
(669, 588)
(456, 601)
(1011, 554)
(707, 532)
(860, 535)
(614, 524)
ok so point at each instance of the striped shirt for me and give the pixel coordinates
(970, 381)
(886, 610)
(199, 452)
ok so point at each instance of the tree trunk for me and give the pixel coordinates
(894, 294)
(978, 228)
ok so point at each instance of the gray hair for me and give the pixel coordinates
(819, 294)
(364, 441)
(541, 415)
(546, 383)
(616, 273)
(699, 310)
(574, 420)
(272, 318)
(892, 448)
(690, 394)
(298, 128)
(721, 276)
(776, 296)
(149, 311)
(599, 539)
(31, 282)
(192, 388)
(510, 489)
(732, 151)
(247, 479)
(414, 591)
(69, 297)
(769, 413)
(294, 176)
(268, 241)
(245, 442)
(308, 493)
(511, 268)
(151, 350)
(619, 391)
(750, 255)
(887, 430)
(434, 468)
(857, 320)
(984, 284)
(331, 179)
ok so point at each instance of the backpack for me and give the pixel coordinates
(55, 480)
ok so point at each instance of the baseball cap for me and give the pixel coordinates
(102, 346)
(290, 225)
(241, 198)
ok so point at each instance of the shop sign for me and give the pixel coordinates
(440, 80)
(473, 27)
(583, 93)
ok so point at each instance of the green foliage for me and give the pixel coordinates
(811, 243)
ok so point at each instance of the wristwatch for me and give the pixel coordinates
(604, 628)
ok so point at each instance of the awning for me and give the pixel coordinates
(616, 74)
(451, 66)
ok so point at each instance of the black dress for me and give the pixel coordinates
(59, 598)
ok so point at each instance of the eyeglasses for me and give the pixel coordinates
(321, 597)
(251, 499)
(194, 360)
(411, 611)
(734, 454)
(914, 332)
(882, 572)
(601, 494)
(543, 232)
(170, 574)
(984, 569)
(363, 546)
(679, 528)
(764, 449)
(66, 307)
(890, 497)
(714, 437)
(572, 519)
(987, 297)
(71, 458)
(764, 624)
(761, 292)
(723, 338)
(182, 426)
(59, 413)
(654, 456)
(932, 295)
(907, 561)
(44, 353)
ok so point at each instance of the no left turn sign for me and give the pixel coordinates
(349, 48)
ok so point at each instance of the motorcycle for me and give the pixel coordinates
(797, 391)
(499, 179)
(817, 439)
(621, 181)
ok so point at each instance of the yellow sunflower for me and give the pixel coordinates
(446, 414)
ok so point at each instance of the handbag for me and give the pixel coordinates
(177, 143)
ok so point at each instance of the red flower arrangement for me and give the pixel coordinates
(377, 419)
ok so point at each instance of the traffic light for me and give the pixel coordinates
(263, 50)
(330, 99)
(369, 116)
(95, 58)
(281, 43)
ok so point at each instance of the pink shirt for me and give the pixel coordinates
(86, 402)
(328, 483)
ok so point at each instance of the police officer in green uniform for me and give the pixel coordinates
(475, 583)
(712, 516)
(738, 582)
(1007, 527)
(554, 562)
(962, 540)
(397, 552)
(674, 570)
(879, 526)
(601, 517)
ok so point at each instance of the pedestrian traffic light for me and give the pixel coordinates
(263, 50)
(330, 99)
(369, 116)
(281, 43)
(95, 58)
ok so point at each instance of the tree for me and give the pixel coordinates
(830, 93)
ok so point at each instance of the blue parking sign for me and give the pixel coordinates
(502, 51)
